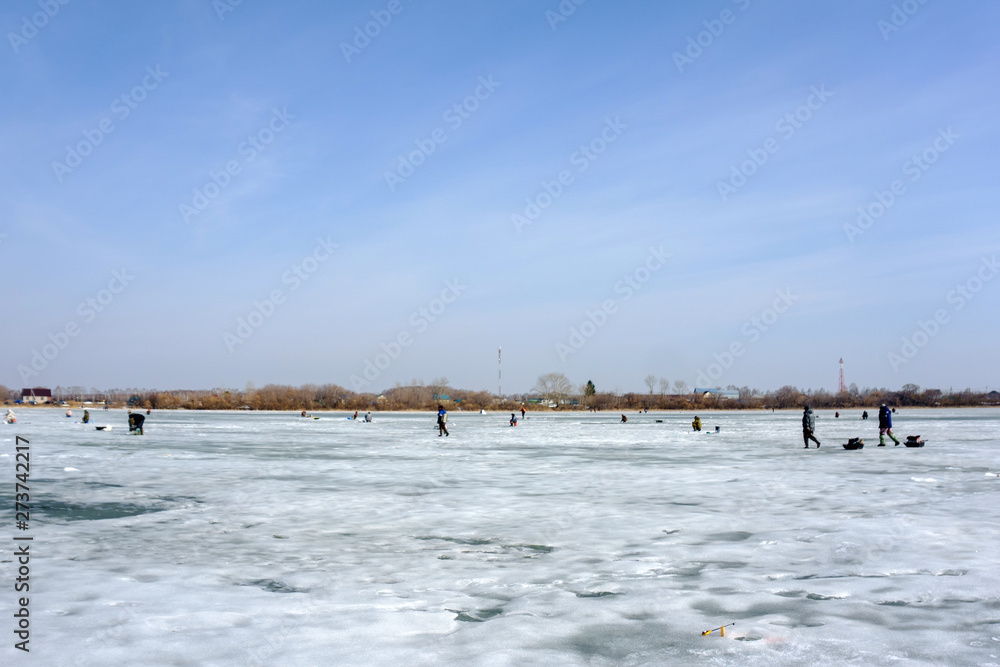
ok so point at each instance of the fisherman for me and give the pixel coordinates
(303, 413)
(864, 415)
(86, 416)
(442, 421)
(718, 428)
(885, 426)
(135, 423)
(624, 418)
(69, 413)
(522, 412)
(808, 427)
(368, 417)
(513, 419)
(696, 424)
(355, 415)
(9, 417)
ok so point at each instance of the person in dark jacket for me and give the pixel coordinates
(885, 426)
(809, 427)
(135, 423)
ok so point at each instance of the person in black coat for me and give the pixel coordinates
(135, 423)
(809, 427)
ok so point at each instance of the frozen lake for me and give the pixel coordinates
(269, 539)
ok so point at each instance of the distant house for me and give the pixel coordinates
(36, 395)
(718, 393)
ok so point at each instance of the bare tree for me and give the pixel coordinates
(650, 381)
(439, 386)
(553, 385)
(681, 387)
(664, 386)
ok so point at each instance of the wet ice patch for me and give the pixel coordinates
(273, 586)
(476, 615)
(71, 511)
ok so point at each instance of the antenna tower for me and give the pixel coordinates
(842, 388)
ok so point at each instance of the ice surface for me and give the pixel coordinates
(268, 539)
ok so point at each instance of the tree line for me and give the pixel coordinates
(552, 391)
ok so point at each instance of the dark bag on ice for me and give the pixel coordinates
(855, 443)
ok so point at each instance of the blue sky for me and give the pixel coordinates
(664, 132)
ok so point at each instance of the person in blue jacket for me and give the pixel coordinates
(885, 426)
(442, 421)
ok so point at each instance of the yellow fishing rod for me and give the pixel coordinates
(721, 629)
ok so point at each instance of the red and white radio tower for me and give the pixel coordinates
(842, 388)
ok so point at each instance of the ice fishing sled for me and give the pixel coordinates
(855, 443)
(914, 441)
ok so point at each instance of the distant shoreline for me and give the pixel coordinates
(567, 409)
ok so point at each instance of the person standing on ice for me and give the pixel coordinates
(809, 427)
(442, 421)
(522, 412)
(885, 426)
